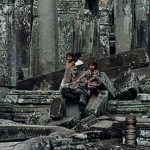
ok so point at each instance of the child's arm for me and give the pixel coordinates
(82, 76)
(95, 76)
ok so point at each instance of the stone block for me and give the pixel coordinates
(97, 105)
(126, 106)
(107, 84)
(57, 109)
(85, 123)
(72, 110)
(11, 132)
(67, 122)
(127, 86)
(145, 86)
(105, 124)
(143, 97)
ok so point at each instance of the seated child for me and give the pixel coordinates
(91, 80)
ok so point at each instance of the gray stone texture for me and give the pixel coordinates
(123, 25)
(23, 33)
(6, 45)
(47, 11)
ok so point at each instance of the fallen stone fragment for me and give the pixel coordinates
(105, 124)
(97, 104)
(127, 87)
(57, 109)
(145, 86)
(85, 123)
(107, 84)
(64, 122)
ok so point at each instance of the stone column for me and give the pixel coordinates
(47, 36)
(7, 46)
(140, 13)
(123, 25)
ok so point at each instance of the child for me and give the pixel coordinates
(69, 77)
(91, 80)
(69, 74)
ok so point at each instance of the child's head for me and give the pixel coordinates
(70, 57)
(92, 65)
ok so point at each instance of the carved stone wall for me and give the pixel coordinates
(6, 45)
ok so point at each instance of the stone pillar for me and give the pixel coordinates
(23, 29)
(101, 44)
(123, 25)
(7, 46)
(47, 36)
(140, 11)
(34, 44)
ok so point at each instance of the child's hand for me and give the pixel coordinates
(77, 81)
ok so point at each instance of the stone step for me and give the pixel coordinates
(127, 103)
(34, 92)
(23, 105)
(123, 107)
(17, 132)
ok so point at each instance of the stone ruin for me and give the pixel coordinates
(33, 114)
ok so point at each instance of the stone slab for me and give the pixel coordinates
(24, 132)
(97, 105)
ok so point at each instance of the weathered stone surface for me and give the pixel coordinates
(102, 125)
(97, 105)
(145, 87)
(33, 107)
(127, 86)
(123, 25)
(57, 108)
(142, 73)
(23, 30)
(85, 123)
(67, 122)
(48, 51)
(7, 66)
(49, 81)
(137, 58)
(101, 42)
(8, 145)
(125, 107)
(140, 24)
(143, 97)
(23, 132)
(34, 48)
(72, 110)
(107, 84)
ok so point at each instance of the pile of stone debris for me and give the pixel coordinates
(118, 118)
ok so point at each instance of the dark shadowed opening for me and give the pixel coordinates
(93, 6)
